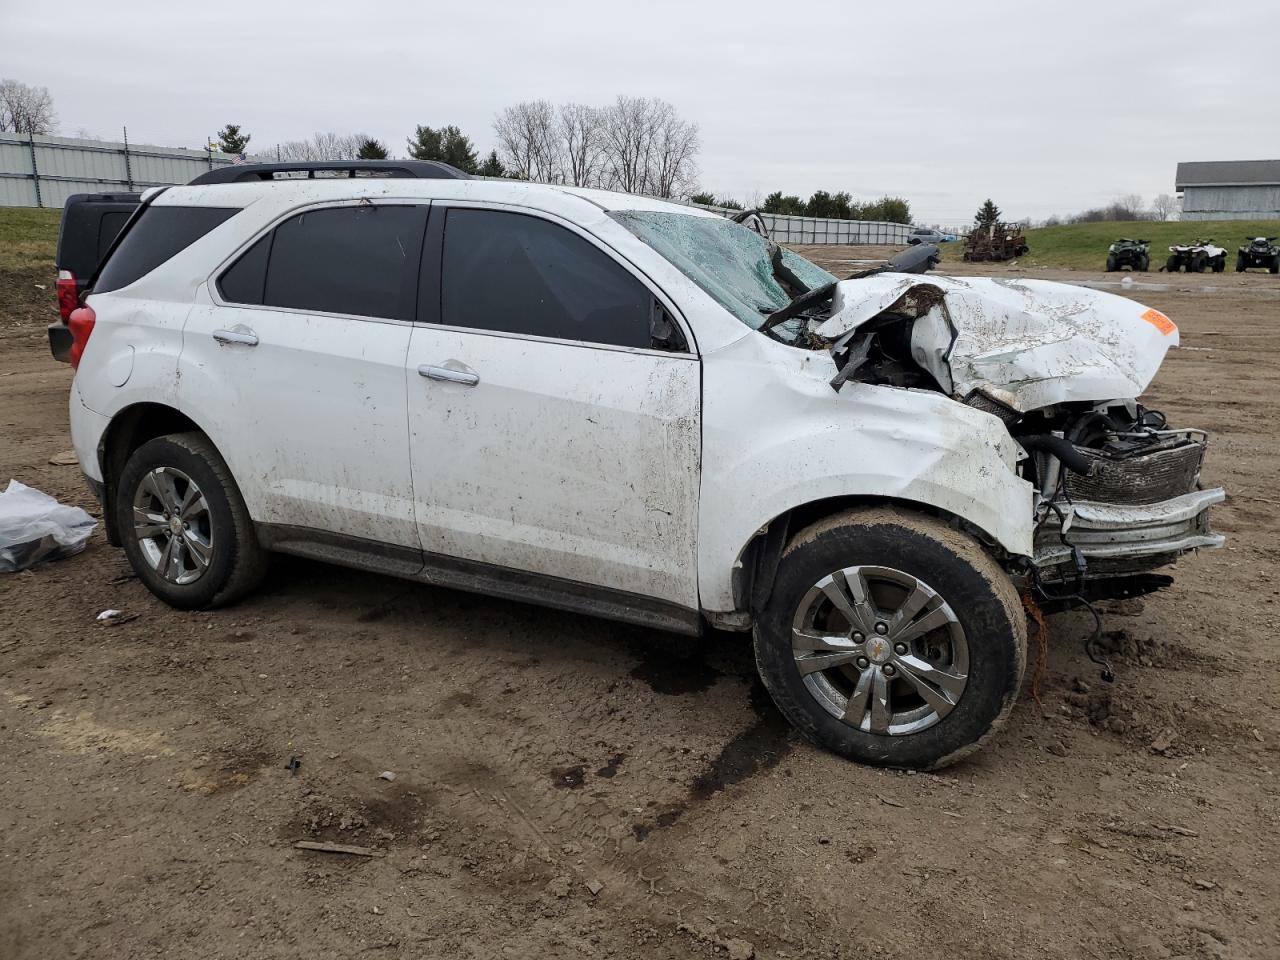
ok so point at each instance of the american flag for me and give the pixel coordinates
(239, 158)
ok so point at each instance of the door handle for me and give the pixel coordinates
(241, 337)
(448, 376)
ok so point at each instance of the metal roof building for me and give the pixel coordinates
(1229, 189)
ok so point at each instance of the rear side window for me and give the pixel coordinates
(518, 274)
(358, 260)
(160, 233)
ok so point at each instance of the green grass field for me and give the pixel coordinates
(28, 238)
(1083, 246)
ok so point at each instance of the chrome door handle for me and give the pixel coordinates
(236, 336)
(448, 376)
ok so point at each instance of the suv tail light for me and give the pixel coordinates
(81, 323)
(68, 296)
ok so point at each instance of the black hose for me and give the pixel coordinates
(1060, 447)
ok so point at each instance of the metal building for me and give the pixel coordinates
(1229, 189)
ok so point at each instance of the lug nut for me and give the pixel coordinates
(888, 670)
(857, 637)
(863, 663)
(882, 627)
(900, 648)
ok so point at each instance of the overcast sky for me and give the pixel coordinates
(1047, 108)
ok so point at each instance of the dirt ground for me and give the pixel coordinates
(565, 787)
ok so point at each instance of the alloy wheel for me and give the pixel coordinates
(172, 525)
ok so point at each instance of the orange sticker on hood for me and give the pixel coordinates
(1159, 321)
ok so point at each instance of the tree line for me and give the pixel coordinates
(635, 144)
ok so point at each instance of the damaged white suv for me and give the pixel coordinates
(637, 410)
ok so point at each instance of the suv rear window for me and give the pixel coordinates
(159, 233)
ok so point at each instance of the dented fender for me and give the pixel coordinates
(807, 443)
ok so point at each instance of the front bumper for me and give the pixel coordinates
(1116, 539)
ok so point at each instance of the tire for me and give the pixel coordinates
(212, 560)
(1219, 263)
(981, 634)
(1111, 263)
(1171, 265)
(1197, 263)
(1241, 263)
(1144, 263)
(1275, 264)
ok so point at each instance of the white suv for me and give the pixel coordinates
(634, 409)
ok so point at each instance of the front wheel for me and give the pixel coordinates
(1144, 262)
(1111, 263)
(1219, 263)
(1275, 264)
(892, 639)
(184, 525)
(1241, 263)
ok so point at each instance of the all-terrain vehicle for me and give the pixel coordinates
(1128, 253)
(1195, 256)
(1258, 252)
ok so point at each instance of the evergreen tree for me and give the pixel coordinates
(987, 214)
(231, 140)
(492, 166)
(371, 149)
(448, 145)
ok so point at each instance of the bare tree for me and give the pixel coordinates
(1128, 207)
(627, 135)
(578, 130)
(673, 169)
(1164, 206)
(528, 141)
(322, 146)
(26, 109)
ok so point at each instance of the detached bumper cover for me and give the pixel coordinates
(1115, 533)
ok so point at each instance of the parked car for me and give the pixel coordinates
(1259, 252)
(1194, 257)
(90, 223)
(928, 235)
(1128, 253)
(638, 410)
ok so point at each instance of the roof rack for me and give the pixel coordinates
(332, 169)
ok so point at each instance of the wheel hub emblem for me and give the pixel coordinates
(878, 650)
(175, 526)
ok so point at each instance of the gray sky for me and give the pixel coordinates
(1047, 108)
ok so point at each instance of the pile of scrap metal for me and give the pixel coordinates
(995, 241)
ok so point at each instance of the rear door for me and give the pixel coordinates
(550, 432)
(298, 371)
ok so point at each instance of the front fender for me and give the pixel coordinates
(777, 437)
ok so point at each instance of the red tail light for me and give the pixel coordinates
(67, 294)
(81, 323)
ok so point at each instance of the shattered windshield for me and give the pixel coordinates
(727, 260)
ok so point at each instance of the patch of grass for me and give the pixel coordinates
(28, 238)
(1083, 246)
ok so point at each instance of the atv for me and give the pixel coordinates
(1259, 252)
(1196, 256)
(1128, 253)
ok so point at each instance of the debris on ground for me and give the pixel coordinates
(386, 775)
(293, 764)
(35, 528)
(558, 887)
(115, 617)
(1164, 741)
(67, 458)
(346, 848)
(595, 886)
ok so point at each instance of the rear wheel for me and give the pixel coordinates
(184, 525)
(1111, 263)
(1219, 263)
(1275, 263)
(1241, 263)
(1197, 263)
(892, 639)
(1144, 262)
(1171, 265)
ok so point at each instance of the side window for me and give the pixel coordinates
(158, 234)
(512, 273)
(360, 260)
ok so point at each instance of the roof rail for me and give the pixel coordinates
(331, 169)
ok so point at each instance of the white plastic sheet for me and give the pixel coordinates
(34, 527)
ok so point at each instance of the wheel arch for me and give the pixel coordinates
(130, 428)
(758, 561)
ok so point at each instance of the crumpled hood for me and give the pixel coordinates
(1027, 343)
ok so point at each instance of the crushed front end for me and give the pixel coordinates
(1119, 495)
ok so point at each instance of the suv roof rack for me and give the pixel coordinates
(332, 169)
